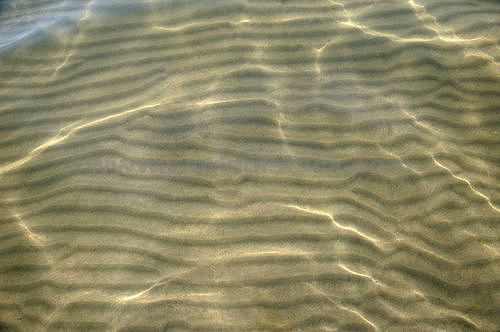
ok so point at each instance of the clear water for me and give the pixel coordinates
(249, 165)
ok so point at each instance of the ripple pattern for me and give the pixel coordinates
(249, 165)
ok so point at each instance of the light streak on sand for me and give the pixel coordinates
(336, 224)
(65, 133)
(466, 181)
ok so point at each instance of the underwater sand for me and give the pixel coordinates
(250, 165)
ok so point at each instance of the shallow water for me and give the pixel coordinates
(249, 165)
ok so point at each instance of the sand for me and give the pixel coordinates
(249, 165)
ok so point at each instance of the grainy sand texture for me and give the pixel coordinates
(223, 165)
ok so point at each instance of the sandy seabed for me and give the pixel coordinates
(249, 165)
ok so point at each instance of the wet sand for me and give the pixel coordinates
(249, 166)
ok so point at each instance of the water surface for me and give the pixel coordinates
(249, 165)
